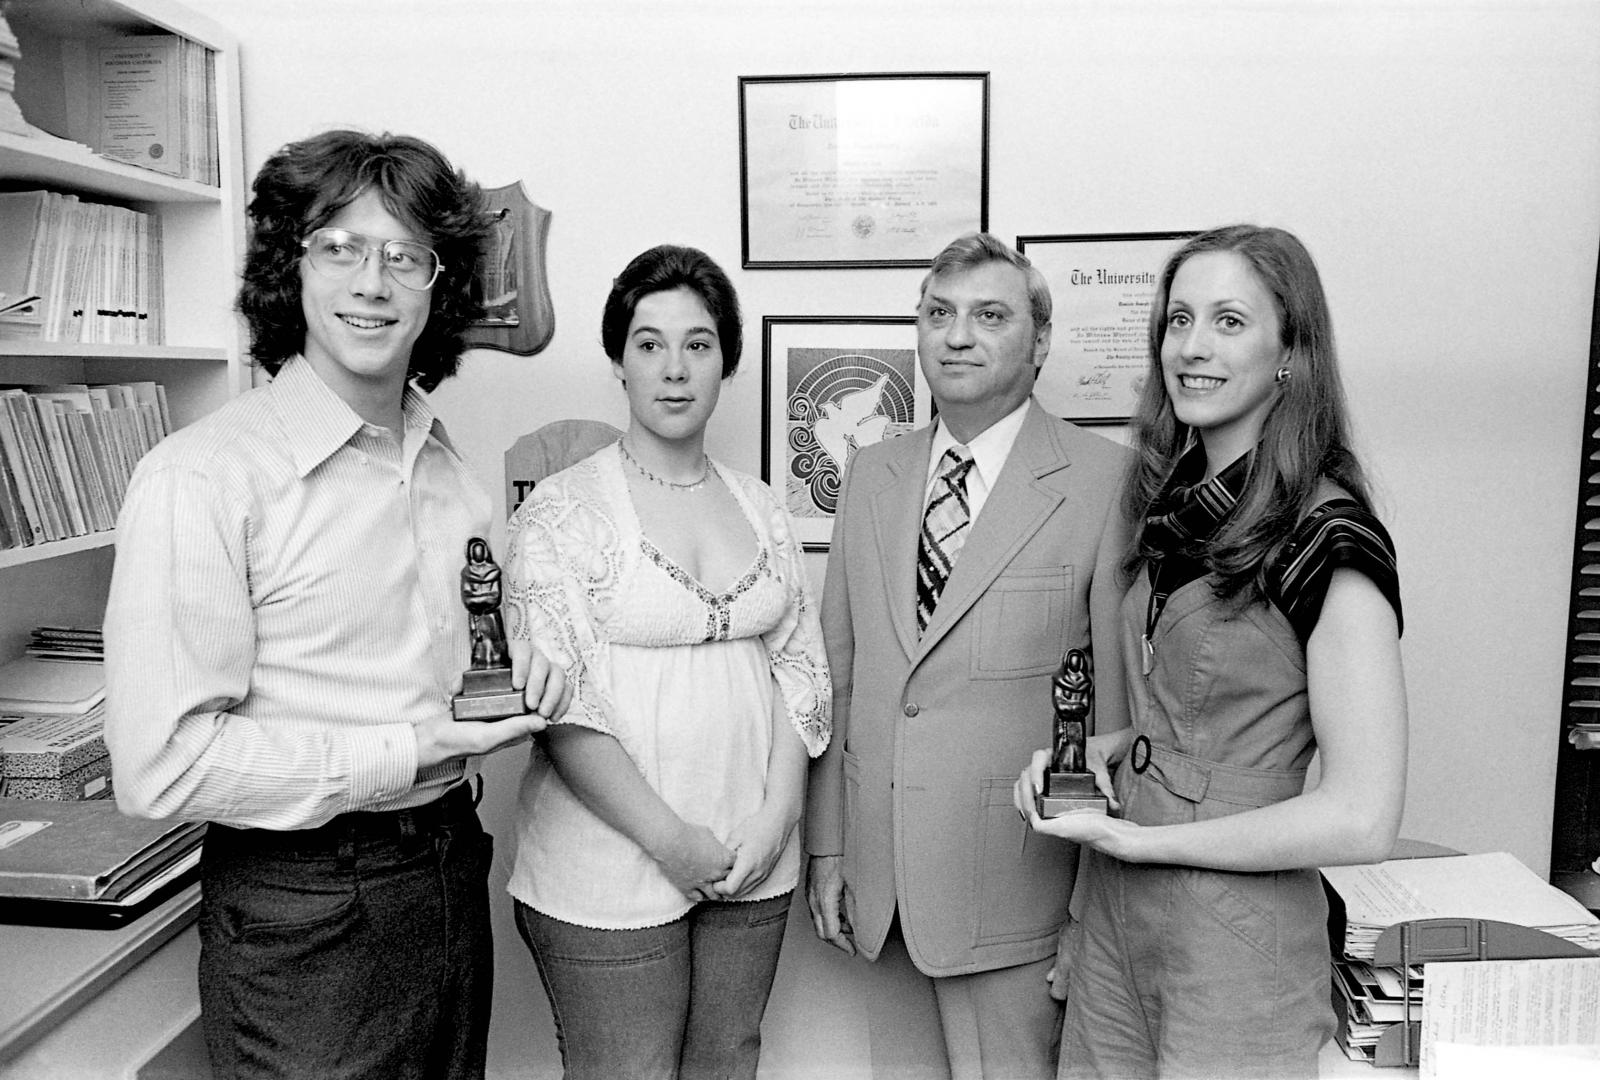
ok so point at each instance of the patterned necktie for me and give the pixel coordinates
(944, 530)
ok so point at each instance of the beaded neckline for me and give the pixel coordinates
(692, 485)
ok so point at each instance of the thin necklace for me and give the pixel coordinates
(692, 485)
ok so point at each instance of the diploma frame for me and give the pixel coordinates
(830, 384)
(927, 180)
(1101, 284)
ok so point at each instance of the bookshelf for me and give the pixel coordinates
(201, 363)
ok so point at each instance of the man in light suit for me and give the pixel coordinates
(1009, 560)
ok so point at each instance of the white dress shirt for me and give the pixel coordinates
(989, 449)
(285, 606)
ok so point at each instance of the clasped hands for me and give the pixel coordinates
(703, 867)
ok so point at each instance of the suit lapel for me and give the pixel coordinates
(896, 507)
(1020, 502)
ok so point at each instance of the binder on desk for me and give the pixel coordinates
(1409, 945)
(85, 850)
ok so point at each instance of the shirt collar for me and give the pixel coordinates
(990, 447)
(318, 421)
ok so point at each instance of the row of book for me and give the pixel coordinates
(92, 271)
(67, 453)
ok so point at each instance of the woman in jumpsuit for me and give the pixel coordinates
(1261, 627)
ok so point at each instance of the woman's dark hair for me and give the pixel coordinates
(1304, 438)
(303, 185)
(662, 269)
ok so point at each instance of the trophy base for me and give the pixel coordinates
(1066, 792)
(487, 694)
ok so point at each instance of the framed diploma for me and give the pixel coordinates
(829, 386)
(860, 170)
(1102, 285)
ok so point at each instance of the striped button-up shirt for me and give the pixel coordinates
(285, 607)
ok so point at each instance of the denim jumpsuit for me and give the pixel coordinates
(1182, 971)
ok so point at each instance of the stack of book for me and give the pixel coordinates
(79, 644)
(85, 864)
(67, 452)
(1371, 997)
(10, 52)
(52, 743)
(94, 270)
(152, 104)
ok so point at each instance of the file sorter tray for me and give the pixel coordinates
(1429, 941)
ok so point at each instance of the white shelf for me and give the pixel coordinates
(72, 350)
(55, 548)
(56, 163)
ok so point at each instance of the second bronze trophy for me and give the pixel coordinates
(1068, 784)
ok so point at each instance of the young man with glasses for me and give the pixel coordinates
(285, 632)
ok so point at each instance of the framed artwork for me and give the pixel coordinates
(830, 385)
(860, 170)
(518, 314)
(1102, 285)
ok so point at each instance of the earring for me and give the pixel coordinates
(1283, 375)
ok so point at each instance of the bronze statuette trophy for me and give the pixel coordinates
(486, 690)
(1067, 783)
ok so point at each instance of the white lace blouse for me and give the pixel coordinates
(683, 678)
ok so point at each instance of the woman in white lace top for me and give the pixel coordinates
(656, 843)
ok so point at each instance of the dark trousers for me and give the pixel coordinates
(360, 949)
(681, 1001)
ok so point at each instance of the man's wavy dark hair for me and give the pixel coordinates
(303, 185)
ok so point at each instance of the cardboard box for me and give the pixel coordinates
(51, 746)
(91, 781)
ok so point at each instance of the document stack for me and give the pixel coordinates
(52, 744)
(1493, 905)
(10, 52)
(152, 105)
(78, 644)
(85, 864)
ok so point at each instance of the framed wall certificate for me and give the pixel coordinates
(829, 386)
(860, 170)
(1102, 285)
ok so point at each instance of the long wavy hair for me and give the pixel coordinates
(1304, 438)
(301, 188)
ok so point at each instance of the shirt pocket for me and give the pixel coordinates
(1022, 623)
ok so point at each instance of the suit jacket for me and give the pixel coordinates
(929, 735)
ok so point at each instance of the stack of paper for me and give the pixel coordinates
(80, 644)
(31, 685)
(1492, 886)
(10, 52)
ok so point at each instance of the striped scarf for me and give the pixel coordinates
(1186, 515)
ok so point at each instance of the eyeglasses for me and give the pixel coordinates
(337, 253)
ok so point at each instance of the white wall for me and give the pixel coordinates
(1441, 160)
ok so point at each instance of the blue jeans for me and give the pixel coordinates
(683, 1000)
(360, 949)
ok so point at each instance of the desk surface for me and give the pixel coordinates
(52, 972)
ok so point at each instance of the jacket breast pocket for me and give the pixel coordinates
(1022, 623)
